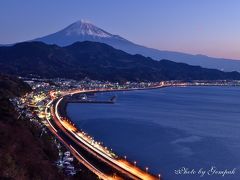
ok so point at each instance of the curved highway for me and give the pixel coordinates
(76, 141)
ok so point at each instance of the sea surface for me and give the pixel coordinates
(180, 132)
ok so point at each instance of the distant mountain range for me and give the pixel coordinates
(85, 31)
(96, 61)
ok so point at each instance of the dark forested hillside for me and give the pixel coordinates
(97, 61)
(23, 155)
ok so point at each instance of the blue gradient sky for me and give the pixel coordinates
(210, 27)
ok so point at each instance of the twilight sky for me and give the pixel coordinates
(210, 27)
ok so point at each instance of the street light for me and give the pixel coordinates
(146, 169)
(159, 176)
(135, 163)
(125, 157)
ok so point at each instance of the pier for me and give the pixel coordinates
(85, 100)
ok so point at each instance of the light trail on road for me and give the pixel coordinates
(121, 165)
(76, 154)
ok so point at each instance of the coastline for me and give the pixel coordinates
(122, 165)
(63, 106)
(63, 113)
(64, 103)
(214, 92)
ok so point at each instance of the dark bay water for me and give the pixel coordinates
(169, 128)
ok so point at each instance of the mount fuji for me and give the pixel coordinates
(86, 31)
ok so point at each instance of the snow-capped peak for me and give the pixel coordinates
(84, 27)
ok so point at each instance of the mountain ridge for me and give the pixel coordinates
(61, 39)
(97, 61)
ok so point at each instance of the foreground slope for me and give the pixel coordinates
(97, 61)
(23, 155)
